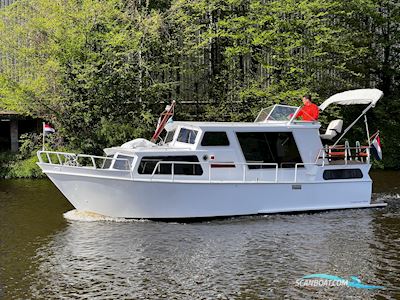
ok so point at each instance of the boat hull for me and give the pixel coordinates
(177, 200)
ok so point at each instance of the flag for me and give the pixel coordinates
(48, 129)
(376, 147)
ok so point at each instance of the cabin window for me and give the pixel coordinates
(148, 163)
(169, 136)
(269, 147)
(123, 162)
(187, 136)
(107, 162)
(215, 138)
(342, 174)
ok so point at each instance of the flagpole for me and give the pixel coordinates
(367, 129)
(43, 136)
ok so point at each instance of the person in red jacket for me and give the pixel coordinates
(309, 112)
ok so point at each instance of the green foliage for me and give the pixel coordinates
(84, 65)
(26, 168)
(6, 160)
(23, 164)
(101, 71)
(253, 54)
(15, 166)
(29, 144)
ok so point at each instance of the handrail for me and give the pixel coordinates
(63, 158)
(40, 152)
(303, 164)
(327, 152)
(75, 157)
(323, 150)
(342, 147)
(173, 163)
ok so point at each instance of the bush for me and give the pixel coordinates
(26, 168)
(6, 161)
(23, 164)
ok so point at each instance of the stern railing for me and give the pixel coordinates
(345, 153)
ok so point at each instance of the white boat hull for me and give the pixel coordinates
(175, 200)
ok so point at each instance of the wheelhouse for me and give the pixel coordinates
(223, 150)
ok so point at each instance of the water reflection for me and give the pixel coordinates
(43, 255)
(237, 258)
(28, 217)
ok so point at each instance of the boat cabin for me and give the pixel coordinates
(273, 146)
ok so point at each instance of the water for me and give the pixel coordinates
(46, 255)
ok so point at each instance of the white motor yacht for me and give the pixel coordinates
(276, 164)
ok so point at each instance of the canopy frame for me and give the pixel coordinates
(363, 114)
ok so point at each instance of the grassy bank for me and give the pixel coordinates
(14, 166)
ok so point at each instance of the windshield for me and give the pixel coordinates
(276, 113)
(169, 136)
(187, 136)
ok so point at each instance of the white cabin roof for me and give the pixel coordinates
(237, 125)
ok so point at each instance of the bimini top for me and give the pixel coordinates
(360, 96)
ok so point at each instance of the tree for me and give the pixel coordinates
(101, 70)
(88, 66)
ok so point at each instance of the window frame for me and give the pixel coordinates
(353, 173)
(173, 131)
(188, 129)
(280, 164)
(210, 131)
(197, 168)
(120, 160)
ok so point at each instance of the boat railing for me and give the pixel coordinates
(345, 154)
(297, 165)
(248, 169)
(210, 165)
(81, 160)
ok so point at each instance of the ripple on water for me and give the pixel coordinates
(237, 258)
(93, 256)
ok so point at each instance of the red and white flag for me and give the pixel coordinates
(47, 128)
(376, 147)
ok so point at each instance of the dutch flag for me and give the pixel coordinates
(48, 129)
(376, 147)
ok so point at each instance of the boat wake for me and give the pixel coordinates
(88, 216)
(385, 196)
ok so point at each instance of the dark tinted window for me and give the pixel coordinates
(215, 138)
(342, 174)
(170, 136)
(269, 147)
(148, 163)
(187, 136)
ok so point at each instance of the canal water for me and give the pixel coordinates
(46, 255)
